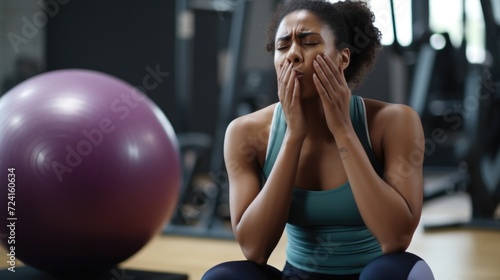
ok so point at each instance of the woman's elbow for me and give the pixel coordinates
(396, 244)
(253, 248)
(254, 255)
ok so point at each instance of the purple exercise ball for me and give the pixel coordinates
(96, 171)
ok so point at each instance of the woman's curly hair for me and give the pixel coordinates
(352, 24)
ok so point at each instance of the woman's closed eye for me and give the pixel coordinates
(310, 43)
(279, 48)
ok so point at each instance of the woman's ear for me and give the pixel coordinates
(345, 58)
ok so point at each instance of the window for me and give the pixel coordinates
(496, 10)
(383, 20)
(453, 24)
(403, 19)
(475, 32)
(446, 16)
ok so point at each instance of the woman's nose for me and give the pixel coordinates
(294, 54)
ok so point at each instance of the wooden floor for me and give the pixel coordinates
(459, 254)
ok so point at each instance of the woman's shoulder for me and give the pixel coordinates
(384, 112)
(247, 136)
(253, 122)
(390, 120)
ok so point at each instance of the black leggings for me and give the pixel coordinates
(396, 266)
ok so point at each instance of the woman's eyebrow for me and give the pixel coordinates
(301, 35)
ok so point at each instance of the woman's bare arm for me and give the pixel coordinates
(258, 214)
(390, 206)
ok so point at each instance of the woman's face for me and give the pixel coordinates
(300, 38)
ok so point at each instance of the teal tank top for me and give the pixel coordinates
(325, 231)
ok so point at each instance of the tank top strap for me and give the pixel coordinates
(360, 125)
(276, 136)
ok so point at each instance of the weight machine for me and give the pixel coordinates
(203, 202)
(461, 101)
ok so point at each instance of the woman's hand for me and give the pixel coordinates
(334, 93)
(289, 96)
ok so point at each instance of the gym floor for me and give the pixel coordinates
(453, 254)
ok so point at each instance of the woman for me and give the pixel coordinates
(342, 174)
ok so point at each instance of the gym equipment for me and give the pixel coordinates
(434, 79)
(93, 171)
(202, 209)
(437, 87)
(458, 102)
(481, 149)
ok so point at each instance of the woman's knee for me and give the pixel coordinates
(400, 266)
(242, 270)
